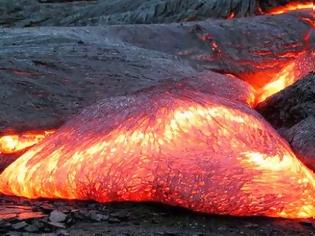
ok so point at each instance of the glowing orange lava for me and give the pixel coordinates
(175, 146)
(283, 79)
(291, 7)
(287, 75)
(13, 143)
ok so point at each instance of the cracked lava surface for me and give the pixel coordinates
(172, 145)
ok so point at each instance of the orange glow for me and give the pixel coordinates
(13, 143)
(283, 79)
(178, 147)
(291, 7)
(310, 21)
(231, 15)
(286, 76)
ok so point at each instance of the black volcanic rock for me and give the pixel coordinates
(25, 13)
(302, 138)
(57, 216)
(145, 219)
(291, 105)
(292, 112)
(49, 74)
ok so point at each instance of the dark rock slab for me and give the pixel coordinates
(19, 225)
(97, 216)
(25, 13)
(57, 216)
(292, 112)
(291, 105)
(49, 74)
(244, 47)
(302, 138)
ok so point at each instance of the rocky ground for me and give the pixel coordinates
(89, 218)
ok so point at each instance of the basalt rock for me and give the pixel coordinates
(25, 13)
(292, 112)
(302, 139)
(49, 74)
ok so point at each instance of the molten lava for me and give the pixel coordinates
(287, 75)
(13, 143)
(283, 79)
(292, 7)
(172, 145)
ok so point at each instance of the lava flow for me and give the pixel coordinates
(287, 76)
(292, 7)
(176, 145)
(290, 73)
(14, 143)
(171, 145)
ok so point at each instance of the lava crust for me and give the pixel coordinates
(173, 145)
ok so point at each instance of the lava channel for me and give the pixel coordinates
(18, 142)
(172, 145)
(288, 75)
(293, 6)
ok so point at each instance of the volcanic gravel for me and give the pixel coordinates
(33, 217)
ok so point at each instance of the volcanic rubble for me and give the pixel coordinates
(28, 217)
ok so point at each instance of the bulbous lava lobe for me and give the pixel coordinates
(227, 86)
(172, 145)
(14, 144)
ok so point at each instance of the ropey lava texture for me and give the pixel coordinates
(170, 144)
